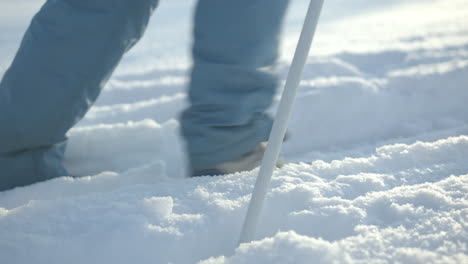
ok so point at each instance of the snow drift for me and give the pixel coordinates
(378, 152)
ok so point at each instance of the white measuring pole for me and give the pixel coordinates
(281, 121)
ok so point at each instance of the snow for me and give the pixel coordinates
(378, 152)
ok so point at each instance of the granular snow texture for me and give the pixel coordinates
(377, 166)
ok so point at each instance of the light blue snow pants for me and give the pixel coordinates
(72, 47)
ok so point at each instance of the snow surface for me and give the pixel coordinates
(378, 152)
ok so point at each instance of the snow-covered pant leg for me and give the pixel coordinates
(68, 52)
(232, 81)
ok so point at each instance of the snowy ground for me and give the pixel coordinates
(378, 152)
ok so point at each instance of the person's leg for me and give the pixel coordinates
(67, 54)
(232, 80)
